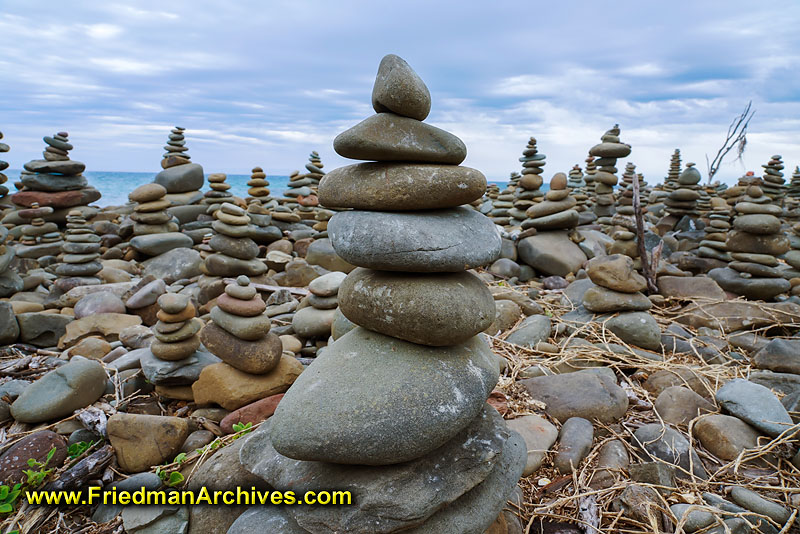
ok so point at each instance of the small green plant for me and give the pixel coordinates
(172, 478)
(242, 428)
(37, 475)
(8, 497)
(76, 449)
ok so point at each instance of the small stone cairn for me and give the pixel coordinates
(607, 152)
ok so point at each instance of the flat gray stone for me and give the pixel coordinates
(155, 244)
(450, 240)
(756, 405)
(173, 373)
(531, 331)
(669, 445)
(181, 178)
(636, 328)
(390, 137)
(174, 265)
(344, 407)
(386, 498)
(551, 253)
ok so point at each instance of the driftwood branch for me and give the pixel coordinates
(83, 471)
(735, 138)
(647, 269)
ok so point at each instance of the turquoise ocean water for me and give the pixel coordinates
(115, 186)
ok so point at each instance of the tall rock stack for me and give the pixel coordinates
(683, 200)
(348, 417)
(577, 184)
(502, 202)
(557, 212)
(219, 193)
(716, 231)
(773, 182)
(38, 238)
(793, 191)
(56, 180)
(626, 199)
(754, 244)
(235, 252)
(674, 172)
(3, 166)
(81, 252)
(301, 196)
(154, 230)
(182, 179)
(527, 192)
(588, 177)
(258, 187)
(252, 364)
(608, 151)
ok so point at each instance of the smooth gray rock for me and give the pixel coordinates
(531, 331)
(756, 405)
(387, 498)
(344, 407)
(99, 302)
(636, 328)
(266, 519)
(551, 253)
(431, 309)
(53, 182)
(590, 393)
(448, 240)
(599, 299)
(42, 329)
(174, 265)
(161, 519)
(10, 283)
(575, 442)
(155, 244)
(181, 178)
(779, 355)
(669, 445)
(72, 386)
(390, 137)
(107, 512)
(756, 503)
(751, 288)
(695, 518)
(173, 373)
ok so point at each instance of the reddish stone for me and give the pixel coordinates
(36, 446)
(309, 201)
(242, 308)
(498, 401)
(301, 246)
(261, 410)
(61, 199)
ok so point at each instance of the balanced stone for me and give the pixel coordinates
(430, 309)
(379, 430)
(436, 241)
(398, 89)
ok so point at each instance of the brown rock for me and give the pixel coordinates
(230, 388)
(142, 441)
(37, 445)
(255, 357)
(679, 405)
(615, 272)
(690, 287)
(108, 325)
(256, 412)
(242, 308)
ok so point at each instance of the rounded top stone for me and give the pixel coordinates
(558, 182)
(63, 134)
(690, 175)
(147, 193)
(173, 302)
(257, 169)
(217, 177)
(754, 191)
(242, 280)
(400, 90)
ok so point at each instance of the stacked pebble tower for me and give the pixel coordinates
(38, 238)
(607, 152)
(81, 252)
(235, 251)
(773, 182)
(3, 166)
(345, 417)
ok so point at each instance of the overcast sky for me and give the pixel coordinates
(265, 82)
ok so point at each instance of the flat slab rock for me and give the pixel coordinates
(386, 498)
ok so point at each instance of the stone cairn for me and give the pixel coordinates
(625, 206)
(154, 229)
(716, 231)
(3, 166)
(683, 200)
(173, 361)
(219, 193)
(754, 245)
(56, 180)
(81, 252)
(773, 182)
(577, 184)
(346, 419)
(502, 201)
(235, 252)
(150, 212)
(588, 177)
(314, 322)
(182, 179)
(258, 187)
(734, 194)
(607, 152)
(618, 289)
(557, 211)
(793, 191)
(301, 196)
(176, 331)
(674, 172)
(10, 281)
(239, 334)
(527, 193)
(38, 238)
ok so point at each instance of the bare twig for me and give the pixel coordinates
(735, 138)
(647, 271)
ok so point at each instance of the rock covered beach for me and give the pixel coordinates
(602, 356)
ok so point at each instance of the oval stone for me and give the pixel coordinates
(449, 240)
(371, 399)
(400, 90)
(429, 309)
(400, 186)
(390, 137)
(761, 224)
